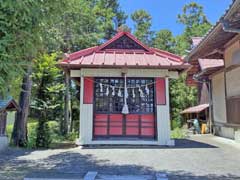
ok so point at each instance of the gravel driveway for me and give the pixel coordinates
(199, 157)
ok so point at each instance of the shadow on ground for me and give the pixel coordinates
(75, 165)
(70, 164)
(179, 144)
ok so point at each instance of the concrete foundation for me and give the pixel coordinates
(228, 132)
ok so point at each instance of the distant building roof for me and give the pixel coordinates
(8, 104)
(195, 109)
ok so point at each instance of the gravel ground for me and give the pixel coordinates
(199, 157)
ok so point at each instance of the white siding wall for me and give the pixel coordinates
(233, 82)
(219, 103)
(86, 119)
(163, 121)
(228, 53)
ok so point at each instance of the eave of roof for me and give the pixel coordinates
(208, 67)
(8, 104)
(210, 63)
(195, 109)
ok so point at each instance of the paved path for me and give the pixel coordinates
(200, 157)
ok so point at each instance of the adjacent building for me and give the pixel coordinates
(215, 62)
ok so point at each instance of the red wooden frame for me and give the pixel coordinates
(88, 90)
(160, 91)
(100, 125)
(132, 124)
(119, 125)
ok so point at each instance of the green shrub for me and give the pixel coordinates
(53, 129)
(32, 135)
(9, 130)
(178, 133)
(72, 136)
(177, 123)
(43, 135)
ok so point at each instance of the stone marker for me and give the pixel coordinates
(90, 175)
(161, 176)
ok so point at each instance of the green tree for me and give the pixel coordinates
(43, 138)
(142, 23)
(48, 84)
(83, 24)
(31, 28)
(164, 40)
(111, 15)
(181, 97)
(192, 14)
(196, 24)
(21, 28)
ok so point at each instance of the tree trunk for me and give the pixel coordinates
(65, 127)
(70, 107)
(19, 134)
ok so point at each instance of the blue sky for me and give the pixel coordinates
(164, 12)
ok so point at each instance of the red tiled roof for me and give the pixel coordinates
(195, 109)
(146, 57)
(210, 63)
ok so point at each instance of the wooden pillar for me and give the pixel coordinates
(3, 123)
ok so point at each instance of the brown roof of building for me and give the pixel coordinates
(195, 109)
(210, 63)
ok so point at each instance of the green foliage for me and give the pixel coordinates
(32, 125)
(111, 15)
(178, 133)
(192, 15)
(43, 135)
(22, 25)
(143, 22)
(32, 134)
(196, 25)
(55, 136)
(164, 40)
(46, 92)
(181, 97)
(48, 87)
(84, 24)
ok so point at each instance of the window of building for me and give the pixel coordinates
(108, 99)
